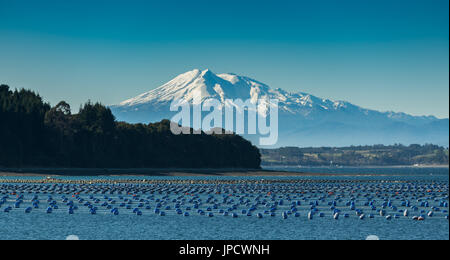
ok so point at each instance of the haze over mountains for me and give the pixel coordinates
(304, 120)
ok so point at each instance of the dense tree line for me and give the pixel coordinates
(34, 134)
(381, 155)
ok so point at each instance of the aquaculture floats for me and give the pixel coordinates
(309, 199)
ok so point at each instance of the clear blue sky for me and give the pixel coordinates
(384, 55)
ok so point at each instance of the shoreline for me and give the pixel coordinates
(44, 172)
(362, 167)
(173, 172)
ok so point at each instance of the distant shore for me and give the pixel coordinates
(362, 167)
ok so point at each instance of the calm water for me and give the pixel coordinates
(58, 225)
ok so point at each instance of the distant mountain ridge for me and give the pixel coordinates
(304, 119)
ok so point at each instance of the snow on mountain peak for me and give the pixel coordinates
(230, 86)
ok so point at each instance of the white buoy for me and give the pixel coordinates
(72, 237)
(336, 216)
(372, 237)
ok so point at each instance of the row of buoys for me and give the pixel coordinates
(234, 181)
(390, 199)
(234, 215)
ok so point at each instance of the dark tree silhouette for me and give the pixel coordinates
(34, 134)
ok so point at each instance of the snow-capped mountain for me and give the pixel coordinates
(304, 119)
(227, 86)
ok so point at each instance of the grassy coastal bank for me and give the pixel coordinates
(142, 172)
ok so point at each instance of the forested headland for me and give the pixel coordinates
(34, 134)
(373, 155)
